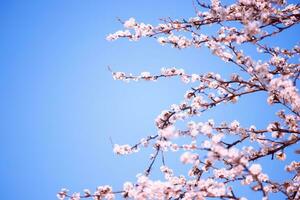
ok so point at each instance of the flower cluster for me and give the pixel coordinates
(219, 155)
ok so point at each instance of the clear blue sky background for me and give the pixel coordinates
(59, 104)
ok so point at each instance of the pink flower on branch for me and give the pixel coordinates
(219, 155)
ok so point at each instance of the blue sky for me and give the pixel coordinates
(60, 105)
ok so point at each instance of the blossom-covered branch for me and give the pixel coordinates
(219, 155)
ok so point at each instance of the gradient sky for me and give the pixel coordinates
(60, 105)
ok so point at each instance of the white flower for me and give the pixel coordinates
(87, 192)
(263, 177)
(247, 180)
(255, 169)
(75, 196)
(271, 127)
(292, 166)
(145, 75)
(62, 194)
(122, 149)
(167, 132)
(234, 125)
(188, 157)
(127, 186)
(197, 102)
(217, 138)
(185, 79)
(193, 128)
(162, 40)
(206, 129)
(130, 23)
(252, 28)
(195, 77)
(111, 37)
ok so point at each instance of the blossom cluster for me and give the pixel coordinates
(219, 155)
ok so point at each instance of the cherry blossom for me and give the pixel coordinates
(218, 155)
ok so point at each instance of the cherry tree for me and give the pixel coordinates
(220, 156)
